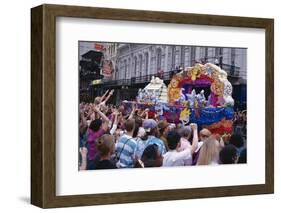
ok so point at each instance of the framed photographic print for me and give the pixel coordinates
(136, 106)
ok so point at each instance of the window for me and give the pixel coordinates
(125, 68)
(135, 66)
(173, 57)
(159, 57)
(187, 57)
(192, 56)
(206, 55)
(182, 56)
(140, 67)
(146, 63)
(232, 55)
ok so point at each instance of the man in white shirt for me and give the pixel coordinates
(175, 157)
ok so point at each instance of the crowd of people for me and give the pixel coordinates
(112, 137)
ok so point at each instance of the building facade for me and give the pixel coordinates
(135, 60)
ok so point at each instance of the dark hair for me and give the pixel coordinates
(173, 139)
(95, 125)
(138, 124)
(228, 154)
(129, 125)
(236, 140)
(150, 156)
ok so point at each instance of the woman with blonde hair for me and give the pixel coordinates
(209, 152)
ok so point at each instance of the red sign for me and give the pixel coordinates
(99, 46)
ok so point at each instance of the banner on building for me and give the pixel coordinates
(107, 68)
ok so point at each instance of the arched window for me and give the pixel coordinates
(129, 69)
(146, 63)
(182, 56)
(125, 69)
(206, 55)
(173, 57)
(159, 59)
(140, 65)
(135, 67)
(192, 56)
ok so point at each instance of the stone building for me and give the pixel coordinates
(135, 60)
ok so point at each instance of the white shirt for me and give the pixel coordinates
(185, 144)
(175, 158)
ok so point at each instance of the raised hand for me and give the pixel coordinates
(193, 126)
(83, 151)
(111, 92)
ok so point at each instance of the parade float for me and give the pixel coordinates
(200, 94)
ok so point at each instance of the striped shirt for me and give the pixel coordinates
(126, 148)
(161, 146)
(141, 145)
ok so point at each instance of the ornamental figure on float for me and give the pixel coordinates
(221, 88)
(208, 74)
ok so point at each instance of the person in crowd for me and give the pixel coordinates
(228, 154)
(174, 157)
(209, 152)
(238, 141)
(83, 127)
(243, 156)
(163, 127)
(106, 147)
(203, 135)
(115, 115)
(83, 151)
(126, 146)
(140, 137)
(185, 133)
(96, 129)
(152, 134)
(151, 157)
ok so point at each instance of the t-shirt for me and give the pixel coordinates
(161, 146)
(92, 137)
(125, 150)
(185, 144)
(141, 145)
(175, 158)
(105, 164)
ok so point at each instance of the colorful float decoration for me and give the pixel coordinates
(184, 100)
